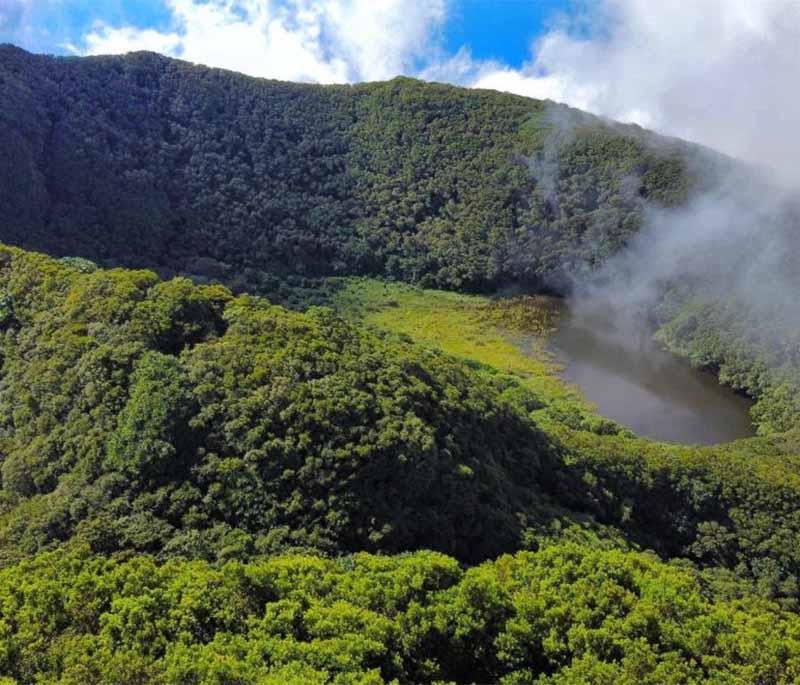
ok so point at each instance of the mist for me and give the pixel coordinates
(737, 241)
(721, 73)
(731, 253)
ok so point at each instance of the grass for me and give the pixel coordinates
(507, 335)
(510, 336)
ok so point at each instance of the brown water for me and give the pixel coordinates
(633, 380)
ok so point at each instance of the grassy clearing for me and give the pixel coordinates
(509, 336)
(495, 333)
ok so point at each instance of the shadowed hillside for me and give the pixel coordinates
(148, 161)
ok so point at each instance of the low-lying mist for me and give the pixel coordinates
(737, 242)
(715, 279)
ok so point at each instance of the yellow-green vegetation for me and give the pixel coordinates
(159, 436)
(506, 335)
(472, 327)
(564, 615)
(167, 417)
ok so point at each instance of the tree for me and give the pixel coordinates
(153, 436)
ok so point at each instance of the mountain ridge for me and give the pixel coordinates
(197, 163)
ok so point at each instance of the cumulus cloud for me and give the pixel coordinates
(325, 41)
(383, 39)
(721, 72)
(107, 40)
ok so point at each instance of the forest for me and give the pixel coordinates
(152, 424)
(243, 439)
(146, 161)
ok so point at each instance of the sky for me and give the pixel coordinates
(719, 72)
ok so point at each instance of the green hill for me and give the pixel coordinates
(179, 419)
(198, 485)
(147, 161)
(186, 474)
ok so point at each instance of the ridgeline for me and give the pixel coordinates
(199, 485)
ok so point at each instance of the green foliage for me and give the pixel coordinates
(6, 310)
(85, 265)
(162, 435)
(564, 614)
(153, 426)
(178, 314)
(145, 161)
(164, 416)
(177, 419)
(753, 351)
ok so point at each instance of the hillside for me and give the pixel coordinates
(162, 417)
(563, 615)
(186, 475)
(147, 161)
(179, 419)
(376, 482)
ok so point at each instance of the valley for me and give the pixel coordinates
(319, 384)
(617, 369)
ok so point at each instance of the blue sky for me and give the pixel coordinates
(501, 30)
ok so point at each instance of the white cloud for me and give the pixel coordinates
(256, 38)
(105, 39)
(382, 39)
(15, 18)
(721, 72)
(545, 87)
(325, 41)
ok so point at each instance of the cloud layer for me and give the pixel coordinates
(325, 41)
(720, 72)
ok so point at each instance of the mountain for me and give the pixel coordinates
(147, 161)
(199, 485)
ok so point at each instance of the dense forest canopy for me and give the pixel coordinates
(565, 614)
(189, 480)
(198, 485)
(148, 161)
(176, 418)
